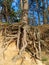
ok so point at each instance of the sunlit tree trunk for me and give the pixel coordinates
(21, 4)
(48, 14)
(44, 12)
(45, 17)
(24, 7)
(47, 11)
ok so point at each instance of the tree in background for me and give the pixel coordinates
(41, 7)
(6, 6)
(7, 12)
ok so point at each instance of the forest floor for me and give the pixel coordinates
(12, 51)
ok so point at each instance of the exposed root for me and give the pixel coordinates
(10, 34)
(18, 39)
(37, 42)
(24, 41)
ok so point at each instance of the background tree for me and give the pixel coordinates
(7, 12)
(6, 6)
(40, 6)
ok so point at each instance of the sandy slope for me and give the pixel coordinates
(11, 52)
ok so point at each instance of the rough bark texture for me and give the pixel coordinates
(24, 7)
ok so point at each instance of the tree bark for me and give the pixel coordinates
(24, 7)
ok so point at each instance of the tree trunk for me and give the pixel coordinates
(5, 10)
(38, 12)
(44, 13)
(24, 7)
(47, 11)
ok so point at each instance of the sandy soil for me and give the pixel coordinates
(6, 58)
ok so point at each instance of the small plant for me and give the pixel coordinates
(44, 59)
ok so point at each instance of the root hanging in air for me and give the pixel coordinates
(18, 38)
(37, 43)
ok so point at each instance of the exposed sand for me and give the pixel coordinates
(11, 52)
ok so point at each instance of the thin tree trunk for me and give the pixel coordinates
(42, 10)
(38, 12)
(18, 39)
(5, 10)
(47, 11)
(44, 13)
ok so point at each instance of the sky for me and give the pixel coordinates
(15, 5)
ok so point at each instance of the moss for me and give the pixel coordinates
(44, 59)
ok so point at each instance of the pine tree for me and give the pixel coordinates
(24, 7)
